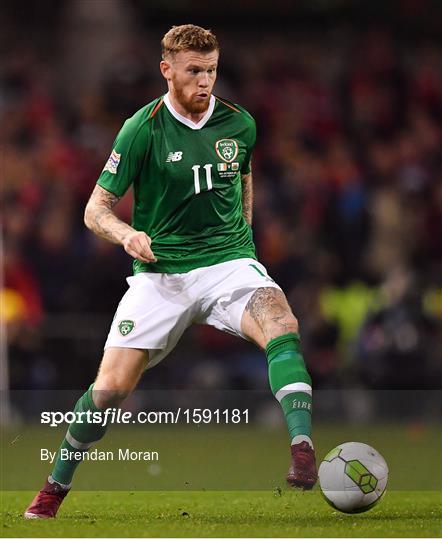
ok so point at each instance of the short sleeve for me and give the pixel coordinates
(126, 159)
(251, 140)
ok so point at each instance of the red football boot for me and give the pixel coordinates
(302, 472)
(46, 502)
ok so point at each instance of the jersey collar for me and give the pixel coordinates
(185, 120)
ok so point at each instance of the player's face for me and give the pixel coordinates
(191, 76)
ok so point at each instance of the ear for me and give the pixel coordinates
(165, 69)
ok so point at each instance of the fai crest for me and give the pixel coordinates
(227, 149)
(126, 327)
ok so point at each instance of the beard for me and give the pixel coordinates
(191, 106)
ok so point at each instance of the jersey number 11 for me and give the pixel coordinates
(196, 177)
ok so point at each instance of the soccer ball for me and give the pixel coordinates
(353, 477)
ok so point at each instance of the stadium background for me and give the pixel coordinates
(348, 195)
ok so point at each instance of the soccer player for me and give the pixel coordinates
(187, 155)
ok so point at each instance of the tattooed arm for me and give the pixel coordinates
(100, 219)
(247, 196)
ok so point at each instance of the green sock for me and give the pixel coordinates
(80, 436)
(291, 384)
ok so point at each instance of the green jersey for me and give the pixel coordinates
(186, 181)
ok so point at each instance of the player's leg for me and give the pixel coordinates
(150, 317)
(119, 373)
(268, 321)
(243, 299)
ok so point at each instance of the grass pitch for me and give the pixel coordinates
(244, 465)
(223, 514)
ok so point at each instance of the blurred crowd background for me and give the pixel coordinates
(347, 96)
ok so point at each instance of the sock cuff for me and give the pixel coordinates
(301, 438)
(287, 342)
(65, 487)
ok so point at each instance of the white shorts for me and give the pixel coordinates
(157, 308)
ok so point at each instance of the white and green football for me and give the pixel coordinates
(353, 477)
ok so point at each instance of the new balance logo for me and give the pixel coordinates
(174, 156)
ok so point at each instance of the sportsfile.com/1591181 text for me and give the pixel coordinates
(118, 416)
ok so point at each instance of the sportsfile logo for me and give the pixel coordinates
(113, 415)
(174, 156)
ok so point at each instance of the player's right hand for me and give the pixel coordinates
(137, 245)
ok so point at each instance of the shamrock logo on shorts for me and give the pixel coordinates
(126, 327)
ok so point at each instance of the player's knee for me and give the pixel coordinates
(104, 399)
(111, 392)
(290, 323)
(281, 326)
(293, 322)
